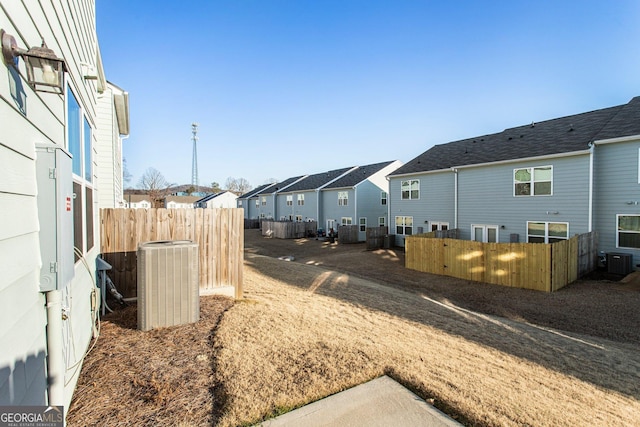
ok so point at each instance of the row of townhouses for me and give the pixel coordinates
(537, 183)
(348, 196)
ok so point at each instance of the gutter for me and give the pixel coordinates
(591, 156)
(455, 197)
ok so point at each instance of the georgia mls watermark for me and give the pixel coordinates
(31, 416)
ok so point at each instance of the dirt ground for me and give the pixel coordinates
(338, 315)
(605, 306)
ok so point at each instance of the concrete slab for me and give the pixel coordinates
(381, 402)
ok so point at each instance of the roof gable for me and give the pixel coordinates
(556, 136)
(356, 176)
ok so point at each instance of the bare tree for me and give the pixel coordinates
(126, 175)
(237, 185)
(156, 186)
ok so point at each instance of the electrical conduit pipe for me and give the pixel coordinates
(55, 361)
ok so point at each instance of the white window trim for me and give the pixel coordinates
(404, 225)
(346, 220)
(300, 199)
(485, 232)
(289, 199)
(618, 232)
(360, 223)
(546, 230)
(384, 198)
(382, 221)
(410, 181)
(343, 201)
(532, 182)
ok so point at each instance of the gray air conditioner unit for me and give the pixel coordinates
(619, 263)
(168, 284)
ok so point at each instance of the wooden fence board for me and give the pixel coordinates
(216, 231)
(538, 266)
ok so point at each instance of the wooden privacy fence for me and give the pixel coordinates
(538, 266)
(289, 229)
(218, 232)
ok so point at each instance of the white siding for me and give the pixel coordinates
(26, 119)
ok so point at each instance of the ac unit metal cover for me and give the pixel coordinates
(168, 284)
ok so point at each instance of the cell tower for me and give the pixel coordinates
(194, 161)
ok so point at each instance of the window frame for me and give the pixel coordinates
(346, 220)
(619, 231)
(362, 226)
(343, 198)
(410, 192)
(401, 226)
(485, 232)
(532, 181)
(382, 221)
(79, 136)
(547, 237)
(289, 199)
(383, 198)
(300, 199)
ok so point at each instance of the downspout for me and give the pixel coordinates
(318, 205)
(55, 362)
(592, 146)
(455, 197)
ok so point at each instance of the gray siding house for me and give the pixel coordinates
(49, 197)
(251, 202)
(539, 182)
(301, 200)
(357, 198)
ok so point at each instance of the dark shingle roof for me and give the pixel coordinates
(358, 175)
(561, 135)
(256, 191)
(281, 186)
(312, 182)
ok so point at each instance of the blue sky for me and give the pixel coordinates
(282, 88)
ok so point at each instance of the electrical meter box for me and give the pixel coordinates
(55, 215)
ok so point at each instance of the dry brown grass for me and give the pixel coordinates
(304, 332)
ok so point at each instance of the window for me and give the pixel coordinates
(404, 225)
(300, 199)
(343, 198)
(547, 232)
(533, 181)
(80, 144)
(435, 225)
(410, 189)
(382, 221)
(264, 200)
(289, 200)
(363, 224)
(383, 198)
(346, 220)
(628, 231)
(257, 203)
(484, 233)
(239, 203)
(298, 218)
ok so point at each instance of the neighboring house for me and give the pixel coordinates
(301, 200)
(112, 128)
(224, 199)
(137, 201)
(540, 182)
(180, 202)
(358, 198)
(49, 193)
(250, 202)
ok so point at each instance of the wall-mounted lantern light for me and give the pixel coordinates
(45, 71)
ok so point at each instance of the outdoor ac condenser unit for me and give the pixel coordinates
(168, 284)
